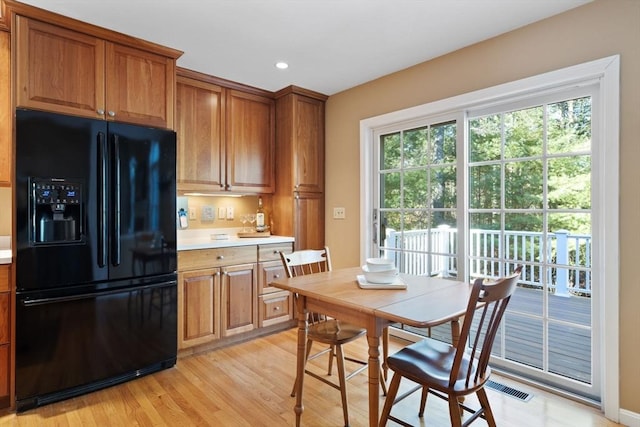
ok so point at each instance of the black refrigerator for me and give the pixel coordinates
(96, 289)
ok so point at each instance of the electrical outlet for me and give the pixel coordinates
(230, 212)
(339, 213)
(193, 213)
(222, 213)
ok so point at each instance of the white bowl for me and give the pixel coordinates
(386, 276)
(380, 264)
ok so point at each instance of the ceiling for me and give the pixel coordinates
(330, 45)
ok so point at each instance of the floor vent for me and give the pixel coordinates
(520, 395)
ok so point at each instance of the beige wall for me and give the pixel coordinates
(593, 31)
(5, 211)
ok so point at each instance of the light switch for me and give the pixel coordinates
(222, 213)
(193, 214)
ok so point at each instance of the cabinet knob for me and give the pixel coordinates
(220, 256)
(276, 308)
(276, 276)
(100, 112)
(112, 113)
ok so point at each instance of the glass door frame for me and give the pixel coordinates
(605, 72)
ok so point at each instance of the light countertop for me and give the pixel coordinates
(211, 238)
(5, 250)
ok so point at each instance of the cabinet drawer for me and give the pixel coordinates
(275, 308)
(218, 257)
(268, 272)
(271, 252)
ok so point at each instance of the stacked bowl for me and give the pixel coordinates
(380, 270)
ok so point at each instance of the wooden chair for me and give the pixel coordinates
(453, 372)
(323, 329)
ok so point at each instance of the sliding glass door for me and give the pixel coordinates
(475, 193)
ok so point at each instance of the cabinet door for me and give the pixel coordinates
(5, 335)
(250, 142)
(199, 113)
(5, 109)
(5, 315)
(58, 70)
(239, 298)
(5, 377)
(198, 308)
(308, 144)
(309, 220)
(139, 86)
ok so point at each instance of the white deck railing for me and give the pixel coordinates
(433, 252)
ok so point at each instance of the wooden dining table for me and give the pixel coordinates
(426, 302)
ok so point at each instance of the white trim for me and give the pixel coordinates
(608, 70)
(629, 418)
(609, 235)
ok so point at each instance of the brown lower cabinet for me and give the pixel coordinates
(276, 305)
(224, 294)
(5, 336)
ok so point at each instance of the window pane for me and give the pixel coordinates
(523, 185)
(572, 362)
(445, 219)
(523, 131)
(391, 222)
(415, 189)
(524, 238)
(485, 138)
(569, 126)
(414, 145)
(443, 187)
(569, 182)
(485, 221)
(573, 222)
(523, 338)
(484, 187)
(390, 197)
(390, 151)
(443, 142)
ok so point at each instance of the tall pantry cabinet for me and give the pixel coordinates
(298, 202)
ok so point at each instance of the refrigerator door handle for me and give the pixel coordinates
(54, 300)
(102, 200)
(115, 237)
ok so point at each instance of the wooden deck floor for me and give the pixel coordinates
(569, 333)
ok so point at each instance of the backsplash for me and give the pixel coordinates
(210, 207)
(5, 213)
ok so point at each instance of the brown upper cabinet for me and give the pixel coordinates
(300, 140)
(74, 72)
(6, 163)
(226, 136)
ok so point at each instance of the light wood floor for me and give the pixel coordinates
(249, 385)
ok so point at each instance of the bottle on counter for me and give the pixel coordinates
(260, 220)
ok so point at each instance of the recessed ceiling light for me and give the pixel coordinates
(282, 65)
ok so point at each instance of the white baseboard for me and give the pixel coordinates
(629, 418)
